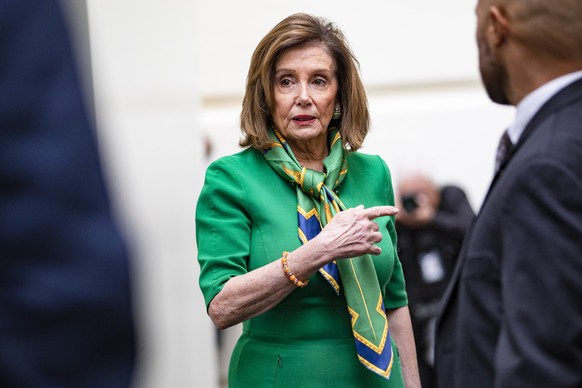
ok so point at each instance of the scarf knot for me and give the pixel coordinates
(311, 182)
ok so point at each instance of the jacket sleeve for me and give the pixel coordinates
(223, 229)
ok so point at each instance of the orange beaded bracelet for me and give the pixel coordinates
(290, 274)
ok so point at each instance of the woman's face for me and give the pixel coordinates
(305, 93)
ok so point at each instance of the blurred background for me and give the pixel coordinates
(166, 80)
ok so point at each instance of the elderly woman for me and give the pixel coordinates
(295, 234)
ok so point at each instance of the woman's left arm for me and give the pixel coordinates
(401, 331)
(399, 317)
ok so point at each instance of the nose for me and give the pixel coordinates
(303, 98)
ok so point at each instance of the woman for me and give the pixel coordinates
(293, 235)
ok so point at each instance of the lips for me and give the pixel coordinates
(303, 119)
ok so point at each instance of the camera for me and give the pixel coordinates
(409, 202)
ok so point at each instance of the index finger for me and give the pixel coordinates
(380, 211)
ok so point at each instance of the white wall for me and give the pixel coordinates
(147, 104)
(450, 133)
(396, 42)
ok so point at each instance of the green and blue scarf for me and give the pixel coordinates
(317, 203)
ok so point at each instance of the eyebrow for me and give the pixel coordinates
(316, 71)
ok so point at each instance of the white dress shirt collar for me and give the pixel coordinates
(528, 107)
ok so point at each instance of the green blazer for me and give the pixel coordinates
(246, 217)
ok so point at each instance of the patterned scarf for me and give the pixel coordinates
(317, 203)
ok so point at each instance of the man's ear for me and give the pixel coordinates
(499, 26)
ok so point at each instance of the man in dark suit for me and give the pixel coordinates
(65, 308)
(512, 314)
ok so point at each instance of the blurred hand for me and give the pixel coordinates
(354, 232)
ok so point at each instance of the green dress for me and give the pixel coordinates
(246, 217)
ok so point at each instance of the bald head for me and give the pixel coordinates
(524, 44)
(547, 27)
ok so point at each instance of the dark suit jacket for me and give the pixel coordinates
(512, 315)
(65, 318)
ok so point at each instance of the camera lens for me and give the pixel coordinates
(409, 202)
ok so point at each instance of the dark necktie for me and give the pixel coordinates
(503, 150)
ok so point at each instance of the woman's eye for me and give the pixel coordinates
(319, 82)
(285, 82)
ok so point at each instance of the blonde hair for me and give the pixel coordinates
(295, 31)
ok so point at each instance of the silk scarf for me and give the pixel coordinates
(317, 203)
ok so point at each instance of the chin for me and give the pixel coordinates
(306, 133)
(495, 80)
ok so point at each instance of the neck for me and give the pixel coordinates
(313, 161)
(538, 71)
(310, 156)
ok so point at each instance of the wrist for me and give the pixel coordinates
(292, 277)
(309, 258)
(320, 251)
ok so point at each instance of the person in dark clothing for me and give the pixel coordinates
(431, 225)
(65, 290)
(511, 314)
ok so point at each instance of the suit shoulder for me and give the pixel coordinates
(372, 164)
(365, 159)
(244, 160)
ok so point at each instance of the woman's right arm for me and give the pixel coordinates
(351, 233)
(245, 296)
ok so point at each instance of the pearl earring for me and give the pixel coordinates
(336, 113)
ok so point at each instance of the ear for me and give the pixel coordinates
(499, 27)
